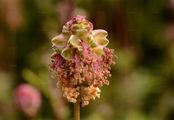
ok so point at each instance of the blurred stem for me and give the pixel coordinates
(77, 110)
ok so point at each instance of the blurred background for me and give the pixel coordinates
(142, 82)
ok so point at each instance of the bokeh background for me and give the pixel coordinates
(140, 31)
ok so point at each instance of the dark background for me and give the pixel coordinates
(140, 31)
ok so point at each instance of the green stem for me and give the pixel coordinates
(77, 110)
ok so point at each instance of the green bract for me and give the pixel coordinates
(75, 42)
(59, 42)
(98, 50)
(67, 53)
(100, 37)
(74, 33)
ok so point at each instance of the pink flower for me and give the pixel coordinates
(28, 99)
(81, 60)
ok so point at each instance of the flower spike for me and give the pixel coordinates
(82, 60)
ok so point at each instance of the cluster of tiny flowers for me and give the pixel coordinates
(81, 60)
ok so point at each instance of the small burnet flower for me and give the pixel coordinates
(28, 99)
(81, 60)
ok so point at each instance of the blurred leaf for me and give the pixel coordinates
(39, 81)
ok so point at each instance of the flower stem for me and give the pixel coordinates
(77, 110)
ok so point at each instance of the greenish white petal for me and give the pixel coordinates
(65, 30)
(59, 41)
(75, 42)
(100, 37)
(99, 33)
(88, 39)
(75, 27)
(98, 50)
(101, 41)
(67, 53)
(93, 44)
(81, 33)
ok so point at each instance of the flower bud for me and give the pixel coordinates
(28, 99)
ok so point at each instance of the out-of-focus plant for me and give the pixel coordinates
(41, 81)
(28, 99)
(6, 93)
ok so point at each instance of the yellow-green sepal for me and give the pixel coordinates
(103, 42)
(99, 37)
(67, 53)
(98, 50)
(75, 42)
(59, 41)
(84, 35)
(65, 30)
(99, 33)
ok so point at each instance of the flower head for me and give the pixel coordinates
(81, 60)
